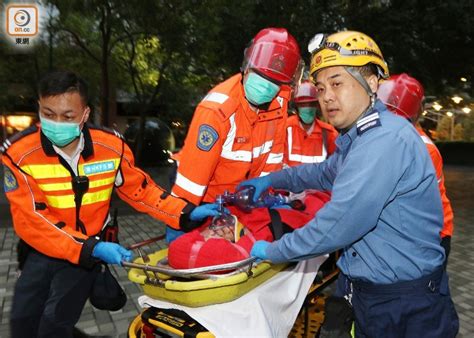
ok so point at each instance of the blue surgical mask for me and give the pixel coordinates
(259, 90)
(60, 133)
(307, 114)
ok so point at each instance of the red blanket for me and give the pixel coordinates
(198, 249)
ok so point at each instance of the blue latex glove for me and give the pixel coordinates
(259, 250)
(204, 211)
(111, 253)
(261, 184)
(172, 234)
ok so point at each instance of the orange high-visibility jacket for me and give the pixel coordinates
(438, 165)
(38, 184)
(302, 147)
(227, 142)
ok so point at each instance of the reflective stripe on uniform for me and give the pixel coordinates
(188, 185)
(67, 201)
(303, 158)
(426, 139)
(68, 185)
(308, 159)
(53, 226)
(245, 155)
(239, 155)
(39, 171)
(216, 97)
(280, 100)
(263, 149)
(56, 186)
(274, 158)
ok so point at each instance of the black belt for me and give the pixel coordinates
(430, 283)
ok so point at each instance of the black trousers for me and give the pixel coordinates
(49, 297)
(412, 309)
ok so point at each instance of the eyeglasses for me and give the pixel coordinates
(319, 42)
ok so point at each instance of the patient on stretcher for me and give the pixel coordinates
(214, 244)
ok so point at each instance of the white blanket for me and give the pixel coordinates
(269, 310)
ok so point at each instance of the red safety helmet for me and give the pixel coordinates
(305, 93)
(274, 53)
(403, 95)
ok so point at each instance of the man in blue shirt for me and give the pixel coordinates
(385, 211)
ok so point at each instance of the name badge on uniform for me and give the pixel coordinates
(9, 180)
(207, 137)
(98, 167)
(241, 139)
(368, 122)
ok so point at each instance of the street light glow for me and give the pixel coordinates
(466, 110)
(463, 79)
(449, 114)
(437, 106)
(457, 99)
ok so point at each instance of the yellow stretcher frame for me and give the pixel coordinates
(135, 329)
(215, 289)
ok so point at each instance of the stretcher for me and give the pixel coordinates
(196, 302)
(198, 286)
(243, 298)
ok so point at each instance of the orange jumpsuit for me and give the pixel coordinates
(302, 147)
(438, 165)
(38, 184)
(227, 142)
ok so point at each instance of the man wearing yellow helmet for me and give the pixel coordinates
(351, 56)
(385, 211)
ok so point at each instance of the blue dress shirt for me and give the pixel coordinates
(385, 210)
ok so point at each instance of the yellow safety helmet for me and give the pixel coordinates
(348, 48)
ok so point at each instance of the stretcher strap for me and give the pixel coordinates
(251, 237)
(277, 227)
(241, 250)
(193, 255)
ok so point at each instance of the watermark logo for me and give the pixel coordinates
(22, 20)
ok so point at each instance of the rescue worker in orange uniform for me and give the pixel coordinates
(404, 95)
(59, 177)
(238, 129)
(309, 140)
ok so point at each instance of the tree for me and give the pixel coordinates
(468, 127)
(97, 35)
(458, 133)
(443, 130)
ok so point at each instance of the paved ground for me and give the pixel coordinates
(135, 228)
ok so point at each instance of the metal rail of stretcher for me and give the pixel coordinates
(198, 273)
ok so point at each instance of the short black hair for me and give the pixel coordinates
(61, 82)
(368, 69)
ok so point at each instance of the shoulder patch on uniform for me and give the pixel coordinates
(106, 129)
(368, 122)
(9, 180)
(8, 142)
(207, 137)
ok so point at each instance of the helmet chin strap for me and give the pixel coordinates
(359, 78)
(363, 82)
